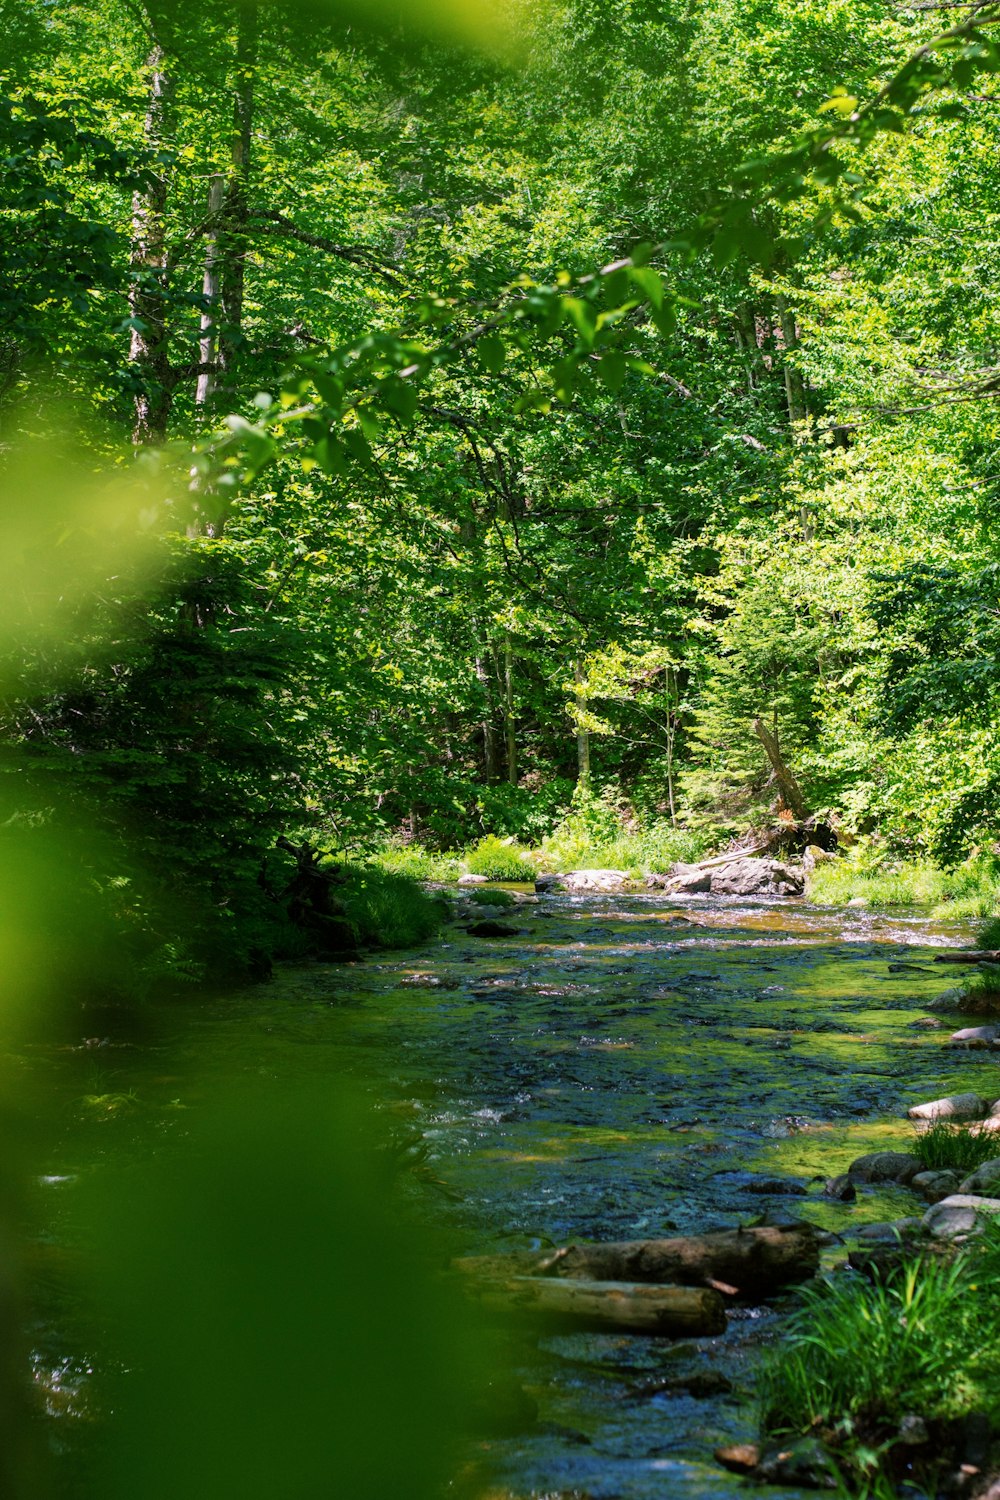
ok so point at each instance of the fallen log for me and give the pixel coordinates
(747, 1262)
(672, 1311)
(969, 956)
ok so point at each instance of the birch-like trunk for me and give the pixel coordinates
(149, 348)
(236, 212)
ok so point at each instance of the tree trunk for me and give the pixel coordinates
(745, 1262)
(677, 1312)
(791, 794)
(582, 732)
(490, 758)
(149, 348)
(237, 203)
(795, 394)
(210, 287)
(510, 727)
(670, 679)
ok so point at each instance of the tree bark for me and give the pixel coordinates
(795, 393)
(236, 213)
(210, 287)
(509, 725)
(490, 758)
(746, 1262)
(149, 347)
(582, 732)
(791, 793)
(677, 1312)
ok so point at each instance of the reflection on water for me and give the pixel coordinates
(626, 1066)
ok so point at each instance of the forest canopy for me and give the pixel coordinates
(409, 444)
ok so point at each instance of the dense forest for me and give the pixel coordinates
(515, 427)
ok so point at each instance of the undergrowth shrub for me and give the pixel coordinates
(498, 860)
(858, 1356)
(490, 896)
(597, 834)
(388, 910)
(951, 1148)
(969, 891)
(416, 862)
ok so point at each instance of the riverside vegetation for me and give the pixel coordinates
(441, 442)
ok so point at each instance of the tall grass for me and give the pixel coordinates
(969, 892)
(417, 863)
(858, 1355)
(498, 859)
(598, 835)
(951, 1148)
(388, 910)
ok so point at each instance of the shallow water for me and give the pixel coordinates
(625, 1067)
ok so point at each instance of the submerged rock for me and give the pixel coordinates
(582, 880)
(492, 929)
(885, 1166)
(961, 1213)
(841, 1188)
(952, 1107)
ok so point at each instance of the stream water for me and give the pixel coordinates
(625, 1067)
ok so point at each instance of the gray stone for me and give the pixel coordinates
(986, 1175)
(975, 1036)
(841, 1188)
(885, 1166)
(913, 1430)
(933, 1186)
(890, 1232)
(858, 901)
(952, 1107)
(472, 880)
(492, 930)
(947, 1000)
(813, 856)
(690, 879)
(959, 1214)
(757, 877)
(582, 880)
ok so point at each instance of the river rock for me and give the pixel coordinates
(472, 880)
(689, 879)
(933, 1186)
(947, 1000)
(961, 1213)
(985, 1177)
(492, 929)
(989, 1126)
(885, 1166)
(841, 1188)
(757, 877)
(804, 1461)
(582, 880)
(953, 1107)
(890, 1231)
(975, 1036)
(812, 856)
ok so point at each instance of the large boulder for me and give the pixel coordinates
(933, 1186)
(962, 1213)
(582, 880)
(757, 877)
(953, 1107)
(985, 1179)
(689, 880)
(885, 1166)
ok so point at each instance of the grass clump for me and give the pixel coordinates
(490, 896)
(950, 1148)
(598, 834)
(858, 1356)
(416, 862)
(388, 910)
(968, 892)
(499, 859)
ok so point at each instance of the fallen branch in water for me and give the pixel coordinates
(674, 1311)
(972, 956)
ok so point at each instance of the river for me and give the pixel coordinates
(624, 1067)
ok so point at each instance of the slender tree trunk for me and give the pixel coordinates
(795, 395)
(237, 203)
(582, 732)
(490, 758)
(149, 349)
(671, 738)
(210, 287)
(791, 793)
(509, 724)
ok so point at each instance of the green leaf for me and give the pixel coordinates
(330, 455)
(492, 354)
(401, 398)
(612, 369)
(649, 283)
(583, 316)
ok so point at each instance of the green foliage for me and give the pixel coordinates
(601, 834)
(944, 1148)
(499, 860)
(389, 910)
(871, 873)
(481, 896)
(417, 863)
(857, 1356)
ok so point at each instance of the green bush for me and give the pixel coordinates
(498, 860)
(388, 910)
(490, 896)
(596, 834)
(951, 1148)
(969, 891)
(416, 862)
(857, 1356)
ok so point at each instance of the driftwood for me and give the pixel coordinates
(741, 1262)
(675, 1311)
(970, 956)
